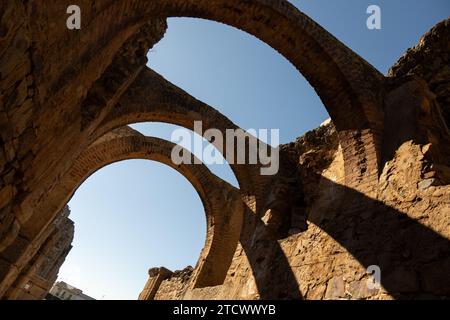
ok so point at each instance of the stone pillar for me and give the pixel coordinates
(42, 271)
(156, 277)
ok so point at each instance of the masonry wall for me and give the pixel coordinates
(381, 198)
(42, 271)
(317, 238)
(51, 86)
(405, 231)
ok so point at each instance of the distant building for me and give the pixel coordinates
(64, 291)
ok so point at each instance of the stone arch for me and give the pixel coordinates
(349, 87)
(151, 98)
(222, 202)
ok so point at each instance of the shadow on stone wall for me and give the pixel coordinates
(414, 260)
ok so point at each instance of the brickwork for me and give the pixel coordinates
(222, 202)
(380, 198)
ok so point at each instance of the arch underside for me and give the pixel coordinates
(151, 98)
(351, 90)
(349, 86)
(221, 201)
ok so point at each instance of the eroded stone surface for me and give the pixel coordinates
(372, 189)
(38, 276)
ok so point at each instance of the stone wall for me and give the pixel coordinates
(175, 286)
(372, 189)
(47, 73)
(156, 277)
(430, 60)
(405, 231)
(41, 273)
(324, 236)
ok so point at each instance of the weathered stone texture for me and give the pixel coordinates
(430, 60)
(153, 285)
(38, 276)
(405, 231)
(174, 287)
(371, 188)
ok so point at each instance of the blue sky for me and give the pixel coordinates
(138, 214)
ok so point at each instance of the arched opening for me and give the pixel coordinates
(222, 202)
(349, 87)
(131, 216)
(175, 8)
(95, 72)
(239, 75)
(152, 98)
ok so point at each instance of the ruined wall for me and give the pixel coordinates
(430, 60)
(405, 231)
(372, 191)
(175, 286)
(317, 237)
(38, 277)
(57, 85)
(50, 78)
(155, 277)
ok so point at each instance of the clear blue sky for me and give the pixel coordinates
(139, 214)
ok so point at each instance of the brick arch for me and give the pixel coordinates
(222, 202)
(151, 98)
(349, 87)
